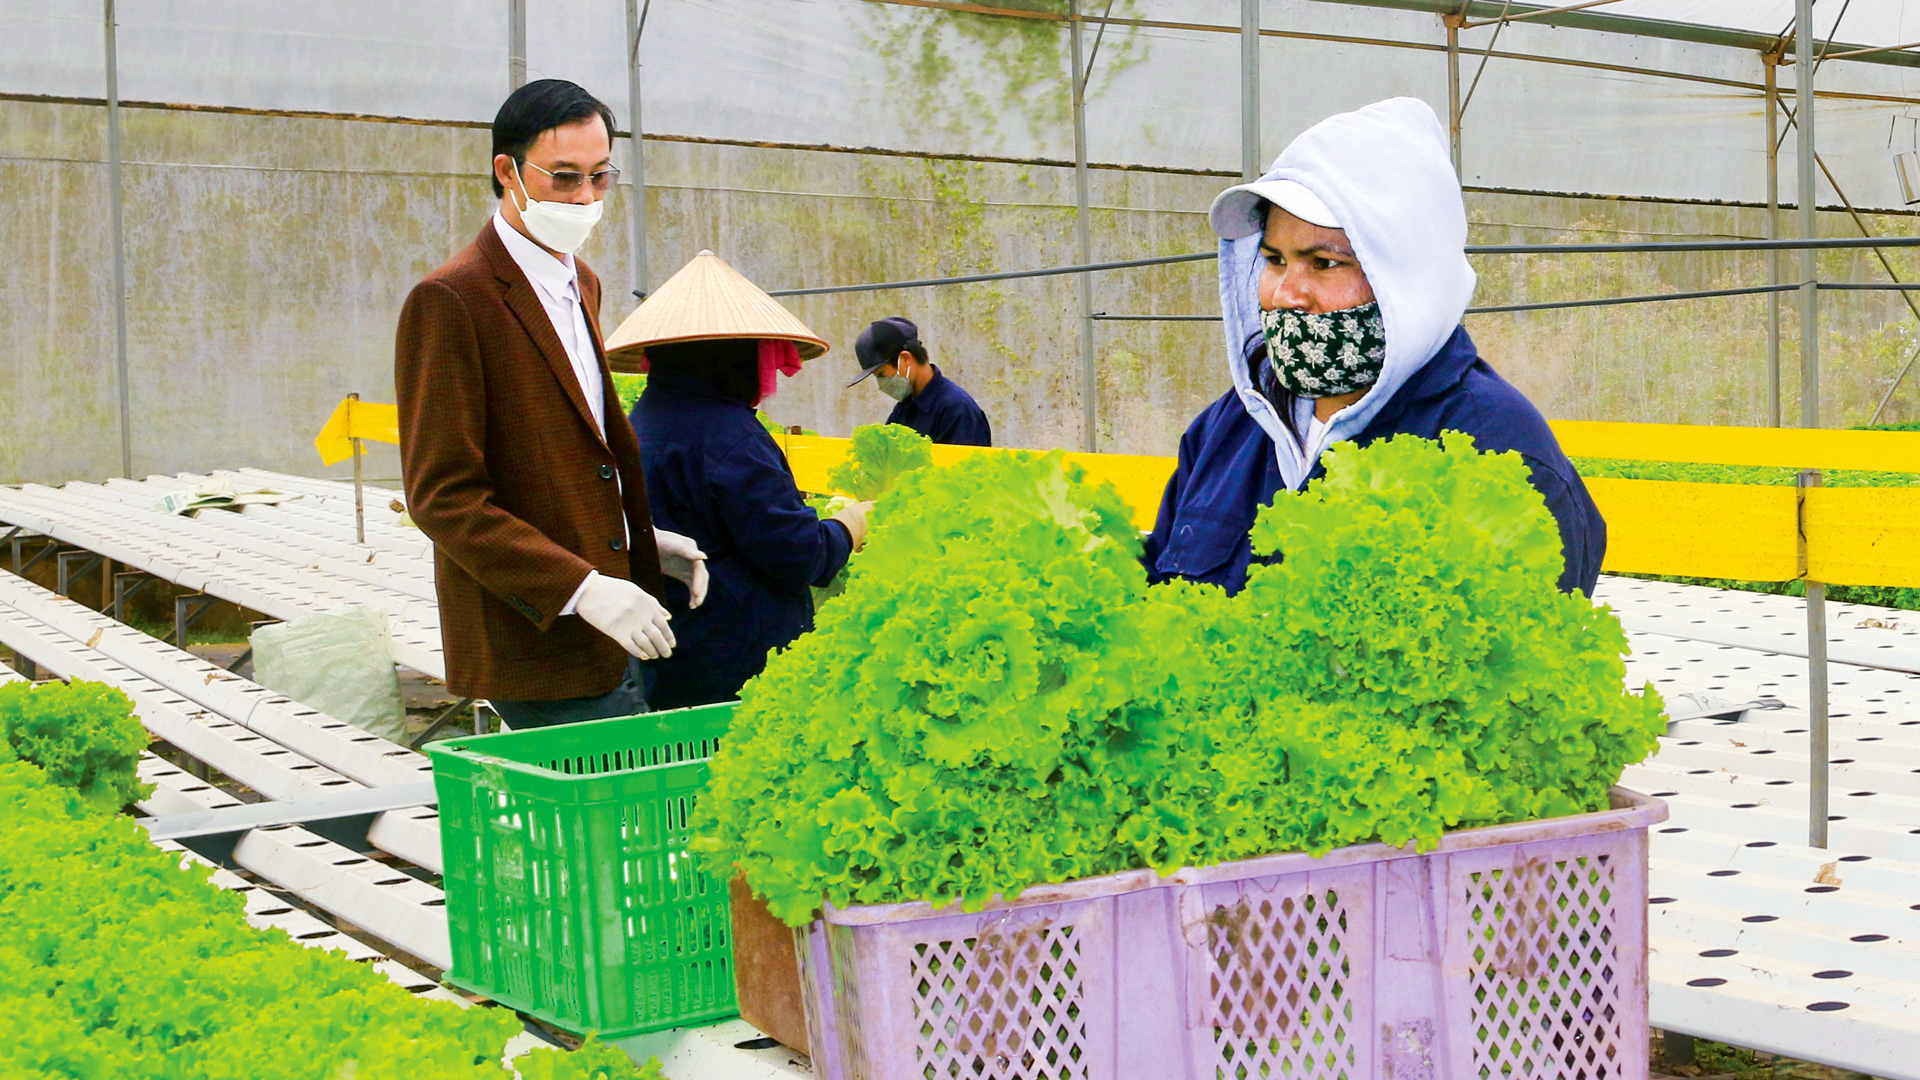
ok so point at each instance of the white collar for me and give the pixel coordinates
(555, 277)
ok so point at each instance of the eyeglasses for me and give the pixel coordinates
(567, 181)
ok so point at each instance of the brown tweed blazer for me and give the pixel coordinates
(507, 474)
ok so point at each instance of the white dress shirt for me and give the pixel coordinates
(557, 284)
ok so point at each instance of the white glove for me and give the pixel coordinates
(682, 559)
(854, 517)
(628, 614)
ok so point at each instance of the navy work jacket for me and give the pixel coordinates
(716, 475)
(1227, 470)
(945, 413)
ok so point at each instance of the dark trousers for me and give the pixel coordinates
(627, 699)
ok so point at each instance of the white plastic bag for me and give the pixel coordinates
(339, 662)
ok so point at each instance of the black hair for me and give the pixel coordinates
(918, 350)
(1269, 387)
(535, 109)
(731, 366)
(1258, 362)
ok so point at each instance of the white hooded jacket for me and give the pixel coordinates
(1384, 173)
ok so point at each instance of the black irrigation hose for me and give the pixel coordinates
(1698, 245)
(1007, 275)
(1607, 301)
(1479, 249)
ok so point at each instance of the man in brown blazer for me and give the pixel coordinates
(519, 464)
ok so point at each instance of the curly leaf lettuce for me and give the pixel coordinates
(999, 699)
(879, 456)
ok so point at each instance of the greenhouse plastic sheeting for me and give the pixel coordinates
(843, 73)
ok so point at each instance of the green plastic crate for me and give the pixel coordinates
(570, 893)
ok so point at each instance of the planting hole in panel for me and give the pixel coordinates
(1005, 1005)
(1543, 956)
(1279, 988)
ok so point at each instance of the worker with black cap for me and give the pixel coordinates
(930, 403)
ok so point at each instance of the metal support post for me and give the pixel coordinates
(441, 719)
(126, 586)
(53, 547)
(1803, 75)
(1453, 85)
(637, 154)
(1803, 117)
(67, 573)
(359, 494)
(13, 539)
(246, 654)
(1082, 234)
(27, 668)
(1770, 62)
(116, 212)
(1817, 703)
(1251, 163)
(186, 611)
(517, 45)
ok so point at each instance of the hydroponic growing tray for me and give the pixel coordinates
(1514, 951)
(570, 893)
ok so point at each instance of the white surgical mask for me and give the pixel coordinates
(896, 386)
(560, 226)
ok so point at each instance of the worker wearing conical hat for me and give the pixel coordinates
(714, 346)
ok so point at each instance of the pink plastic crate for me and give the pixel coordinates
(1516, 951)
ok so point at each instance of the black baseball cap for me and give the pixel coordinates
(881, 343)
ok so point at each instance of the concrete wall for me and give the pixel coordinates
(268, 257)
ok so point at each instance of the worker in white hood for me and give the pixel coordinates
(1343, 279)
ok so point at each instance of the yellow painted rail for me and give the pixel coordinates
(1791, 448)
(1855, 536)
(1864, 536)
(1139, 479)
(1740, 531)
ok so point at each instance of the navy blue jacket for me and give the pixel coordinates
(1227, 470)
(716, 475)
(944, 413)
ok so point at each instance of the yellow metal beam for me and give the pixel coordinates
(1792, 448)
(1139, 479)
(1864, 536)
(1855, 536)
(1741, 531)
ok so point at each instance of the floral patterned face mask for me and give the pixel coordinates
(1317, 356)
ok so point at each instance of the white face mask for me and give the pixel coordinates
(561, 226)
(897, 386)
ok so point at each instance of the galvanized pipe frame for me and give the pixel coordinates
(1392, 43)
(117, 225)
(1082, 234)
(1251, 162)
(516, 44)
(1770, 65)
(1809, 296)
(636, 153)
(66, 573)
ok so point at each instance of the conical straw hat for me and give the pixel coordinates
(707, 299)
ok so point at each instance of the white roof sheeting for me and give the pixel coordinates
(817, 72)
